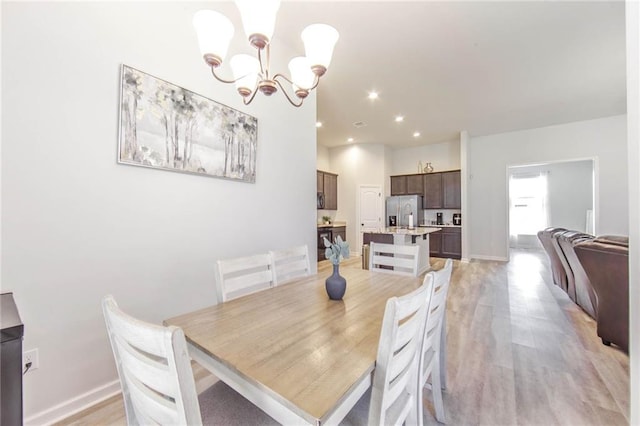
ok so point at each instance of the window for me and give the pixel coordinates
(528, 210)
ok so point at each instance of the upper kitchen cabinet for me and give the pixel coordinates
(414, 185)
(440, 190)
(327, 190)
(451, 190)
(398, 185)
(406, 185)
(432, 191)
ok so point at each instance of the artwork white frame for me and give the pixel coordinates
(164, 126)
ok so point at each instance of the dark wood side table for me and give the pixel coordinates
(11, 334)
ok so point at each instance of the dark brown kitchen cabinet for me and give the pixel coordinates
(330, 191)
(320, 181)
(440, 190)
(340, 231)
(451, 190)
(414, 184)
(435, 243)
(432, 191)
(399, 185)
(446, 243)
(452, 243)
(327, 190)
(406, 185)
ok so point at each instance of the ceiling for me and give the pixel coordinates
(483, 67)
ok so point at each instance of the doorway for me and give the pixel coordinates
(554, 194)
(369, 211)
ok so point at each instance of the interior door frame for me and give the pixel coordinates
(595, 189)
(359, 221)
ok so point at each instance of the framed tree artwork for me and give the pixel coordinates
(166, 127)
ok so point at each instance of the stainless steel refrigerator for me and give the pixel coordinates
(401, 207)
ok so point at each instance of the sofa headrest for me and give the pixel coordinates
(619, 240)
(573, 235)
(602, 247)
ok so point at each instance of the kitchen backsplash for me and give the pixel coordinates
(428, 216)
(447, 216)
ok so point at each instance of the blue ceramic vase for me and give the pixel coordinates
(336, 285)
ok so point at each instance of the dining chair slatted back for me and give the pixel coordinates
(394, 259)
(154, 369)
(432, 359)
(290, 263)
(394, 390)
(243, 275)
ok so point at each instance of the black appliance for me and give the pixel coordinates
(322, 234)
(320, 201)
(457, 219)
(439, 218)
(393, 221)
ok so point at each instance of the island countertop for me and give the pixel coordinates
(332, 225)
(404, 231)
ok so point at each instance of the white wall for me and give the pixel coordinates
(633, 133)
(442, 156)
(77, 226)
(570, 194)
(323, 158)
(489, 157)
(570, 191)
(356, 165)
(464, 190)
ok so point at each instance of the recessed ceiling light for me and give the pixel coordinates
(373, 95)
(416, 134)
(318, 123)
(399, 118)
(350, 140)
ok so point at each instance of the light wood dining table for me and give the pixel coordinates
(299, 356)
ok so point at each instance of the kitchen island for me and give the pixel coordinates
(404, 236)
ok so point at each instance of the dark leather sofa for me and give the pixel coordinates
(557, 269)
(579, 288)
(605, 260)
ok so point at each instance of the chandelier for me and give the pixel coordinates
(251, 74)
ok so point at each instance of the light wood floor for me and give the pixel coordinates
(520, 352)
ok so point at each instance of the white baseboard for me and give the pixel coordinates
(483, 257)
(73, 405)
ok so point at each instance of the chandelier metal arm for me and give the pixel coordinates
(213, 71)
(285, 92)
(264, 68)
(253, 95)
(244, 99)
(315, 84)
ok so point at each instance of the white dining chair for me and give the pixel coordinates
(433, 354)
(243, 275)
(154, 368)
(393, 393)
(290, 263)
(157, 381)
(394, 259)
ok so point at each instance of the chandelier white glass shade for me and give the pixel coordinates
(251, 74)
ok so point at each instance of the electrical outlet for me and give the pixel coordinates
(30, 357)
